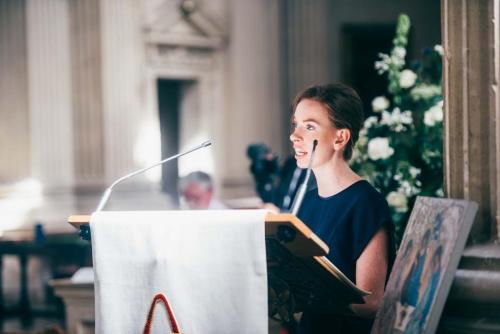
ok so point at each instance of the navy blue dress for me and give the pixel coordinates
(346, 222)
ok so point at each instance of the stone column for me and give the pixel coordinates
(307, 29)
(50, 92)
(472, 109)
(472, 146)
(87, 94)
(49, 69)
(122, 63)
(253, 94)
(129, 133)
(14, 113)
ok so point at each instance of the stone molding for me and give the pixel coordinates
(79, 301)
(160, 55)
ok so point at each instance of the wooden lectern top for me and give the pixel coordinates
(297, 268)
(288, 229)
(303, 243)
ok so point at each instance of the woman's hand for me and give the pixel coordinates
(271, 207)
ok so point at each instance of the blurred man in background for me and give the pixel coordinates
(196, 192)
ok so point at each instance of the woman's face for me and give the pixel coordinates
(310, 122)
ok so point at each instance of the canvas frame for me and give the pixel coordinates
(425, 266)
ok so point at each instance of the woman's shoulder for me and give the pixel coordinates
(365, 189)
(367, 196)
(360, 193)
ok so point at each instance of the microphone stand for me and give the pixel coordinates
(303, 187)
(107, 193)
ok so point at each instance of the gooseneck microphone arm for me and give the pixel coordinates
(107, 193)
(303, 187)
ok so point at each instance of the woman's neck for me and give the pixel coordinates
(334, 177)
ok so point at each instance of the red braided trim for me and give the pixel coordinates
(160, 297)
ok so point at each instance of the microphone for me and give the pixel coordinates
(303, 187)
(108, 191)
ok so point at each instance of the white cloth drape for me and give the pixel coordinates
(211, 265)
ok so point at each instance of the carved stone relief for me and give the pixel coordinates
(183, 23)
(168, 54)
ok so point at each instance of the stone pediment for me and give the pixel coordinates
(182, 23)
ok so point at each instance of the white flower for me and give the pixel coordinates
(382, 65)
(414, 171)
(380, 103)
(386, 118)
(399, 128)
(379, 148)
(396, 119)
(425, 91)
(398, 201)
(399, 52)
(396, 61)
(407, 78)
(362, 140)
(439, 49)
(370, 121)
(434, 115)
(406, 117)
(356, 157)
(408, 188)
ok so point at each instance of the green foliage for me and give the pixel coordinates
(400, 149)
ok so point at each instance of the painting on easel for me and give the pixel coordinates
(425, 266)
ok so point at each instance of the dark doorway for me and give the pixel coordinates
(169, 101)
(361, 45)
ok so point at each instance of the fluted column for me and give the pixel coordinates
(14, 113)
(87, 93)
(307, 43)
(50, 92)
(121, 48)
(254, 110)
(472, 157)
(472, 109)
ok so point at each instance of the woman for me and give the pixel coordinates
(344, 211)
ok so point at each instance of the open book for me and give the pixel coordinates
(299, 274)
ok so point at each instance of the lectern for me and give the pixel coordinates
(299, 274)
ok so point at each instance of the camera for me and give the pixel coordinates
(265, 170)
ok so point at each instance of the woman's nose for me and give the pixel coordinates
(294, 136)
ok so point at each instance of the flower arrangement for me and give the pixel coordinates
(400, 149)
